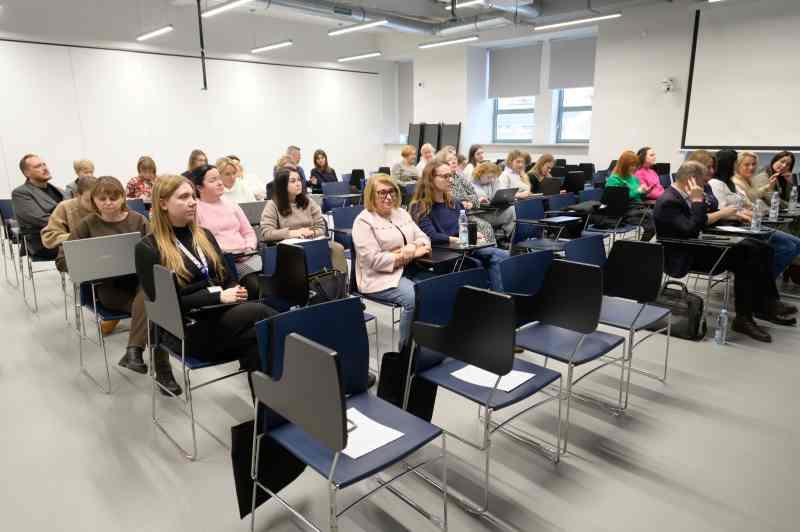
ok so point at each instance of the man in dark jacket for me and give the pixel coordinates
(681, 213)
(33, 203)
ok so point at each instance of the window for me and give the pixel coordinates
(513, 119)
(574, 122)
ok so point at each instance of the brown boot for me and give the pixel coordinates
(108, 326)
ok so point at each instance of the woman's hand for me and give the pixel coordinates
(644, 189)
(421, 251)
(409, 251)
(303, 232)
(467, 204)
(522, 194)
(728, 213)
(234, 294)
(454, 240)
(483, 201)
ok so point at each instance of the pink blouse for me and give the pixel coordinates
(228, 223)
(648, 177)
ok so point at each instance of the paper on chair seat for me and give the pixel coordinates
(481, 377)
(300, 240)
(367, 435)
(736, 229)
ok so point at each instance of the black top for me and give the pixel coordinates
(321, 176)
(676, 218)
(193, 295)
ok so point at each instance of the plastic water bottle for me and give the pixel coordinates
(793, 200)
(721, 334)
(463, 231)
(774, 207)
(755, 224)
(588, 185)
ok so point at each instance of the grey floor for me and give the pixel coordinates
(716, 448)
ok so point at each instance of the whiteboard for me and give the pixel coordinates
(746, 79)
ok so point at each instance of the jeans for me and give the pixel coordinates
(491, 259)
(403, 295)
(786, 247)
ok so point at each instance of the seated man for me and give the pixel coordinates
(681, 213)
(33, 203)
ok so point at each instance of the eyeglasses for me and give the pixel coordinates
(447, 176)
(383, 194)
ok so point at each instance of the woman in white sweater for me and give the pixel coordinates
(514, 175)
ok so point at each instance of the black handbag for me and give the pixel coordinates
(327, 286)
(688, 320)
(392, 385)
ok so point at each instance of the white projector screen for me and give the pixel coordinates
(746, 81)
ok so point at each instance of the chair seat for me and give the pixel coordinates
(545, 244)
(416, 434)
(618, 312)
(194, 363)
(612, 230)
(368, 317)
(557, 343)
(441, 375)
(108, 315)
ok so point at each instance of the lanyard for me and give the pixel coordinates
(201, 264)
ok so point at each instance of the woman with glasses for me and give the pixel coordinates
(436, 212)
(386, 242)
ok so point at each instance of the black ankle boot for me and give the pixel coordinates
(133, 360)
(747, 326)
(164, 374)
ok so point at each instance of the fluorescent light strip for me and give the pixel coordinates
(274, 46)
(465, 4)
(357, 57)
(358, 27)
(224, 7)
(579, 21)
(155, 33)
(448, 42)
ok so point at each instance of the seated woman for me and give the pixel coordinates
(514, 175)
(196, 159)
(235, 189)
(406, 170)
(111, 216)
(436, 213)
(540, 171)
(178, 243)
(779, 169)
(427, 153)
(475, 156)
(321, 173)
(141, 186)
(386, 241)
(622, 176)
(722, 181)
(229, 225)
(290, 214)
(463, 192)
(485, 182)
(65, 218)
(83, 168)
(647, 177)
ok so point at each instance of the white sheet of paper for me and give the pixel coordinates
(300, 240)
(367, 436)
(481, 377)
(734, 229)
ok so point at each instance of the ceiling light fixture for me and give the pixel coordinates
(274, 46)
(155, 33)
(358, 27)
(468, 3)
(357, 57)
(224, 7)
(448, 42)
(579, 21)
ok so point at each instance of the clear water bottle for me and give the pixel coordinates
(463, 230)
(774, 207)
(587, 185)
(755, 224)
(793, 200)
(721, 334)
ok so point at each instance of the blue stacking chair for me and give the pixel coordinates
(560, 202)
(138, 205)
(316, 362)
(343, 219)
(666, 180)
(591, 194)
(530, 221)
(10, 239)
(29, 260)
(616, 202)
(335, 188)
(632, 277)
(558, 319)
(165, 313)
(459, 323)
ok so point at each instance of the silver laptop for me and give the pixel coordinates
(252, 210)
(102, 257)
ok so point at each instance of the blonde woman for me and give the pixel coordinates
(486, 181)
(427, 154)
(83, 168)
(406, 171)
(196, 158)
(743, 179)
(540, 171)
(178, 243)
(235, 188)
(514, 175)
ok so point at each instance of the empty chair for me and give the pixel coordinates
(384, 170)
(335, 194)
(322, 414)
(343, 218)
(561, 162)
(572, 168)
(662, 169)
(559, 172)
(575, 181)
(560, 202)
(588, 169)
(528, 228)
(252, 210)
(138, 205)
(10, 239)
(590, 194)
(616, 202)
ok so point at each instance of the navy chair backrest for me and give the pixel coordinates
(666, 180)
(309, 394)
(662, 168)
(617, 200)
(525, 273)
(435, 300)
(338, 325)
(634, 270)
(558, 171)
(269, 260)
(530, 209)
(574, 181)
(230, 264)
(589, 249)
(335, 187)
(291, 275)
(344, 217)
(318, 256)
(592, 194)
(587, 168)
(165, 309)
(137, 205)
(557, 203)
(6, 210)
(345, 178)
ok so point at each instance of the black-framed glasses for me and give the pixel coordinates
(383, 194)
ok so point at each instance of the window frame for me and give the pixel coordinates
(497, 111)
(560, 118)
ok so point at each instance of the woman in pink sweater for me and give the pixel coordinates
(229, 225)
(646, 175)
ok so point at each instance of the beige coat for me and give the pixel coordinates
(65, 218)
(275, 226)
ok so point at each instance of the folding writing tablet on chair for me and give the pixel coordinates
(252, 210)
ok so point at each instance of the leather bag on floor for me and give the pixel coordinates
(688, 321)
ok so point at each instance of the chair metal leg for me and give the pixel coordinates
(565, 438)
(334, 512)
(12, 260)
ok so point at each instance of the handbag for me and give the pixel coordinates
(327, 286)
(688, 319)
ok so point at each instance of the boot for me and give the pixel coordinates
(133, 360)
(108, 326)
(794, 273)
(164, 374)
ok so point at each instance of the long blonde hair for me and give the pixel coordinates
(164, 234)
(423, 200)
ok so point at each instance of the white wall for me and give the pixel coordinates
(405, 92)
(112, 107)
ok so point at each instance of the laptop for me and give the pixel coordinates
(504, 196)
(551, 186)
(102, 257)
(252, 210)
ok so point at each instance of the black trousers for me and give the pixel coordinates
(751, 262)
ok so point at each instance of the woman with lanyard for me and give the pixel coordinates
(178, 243)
